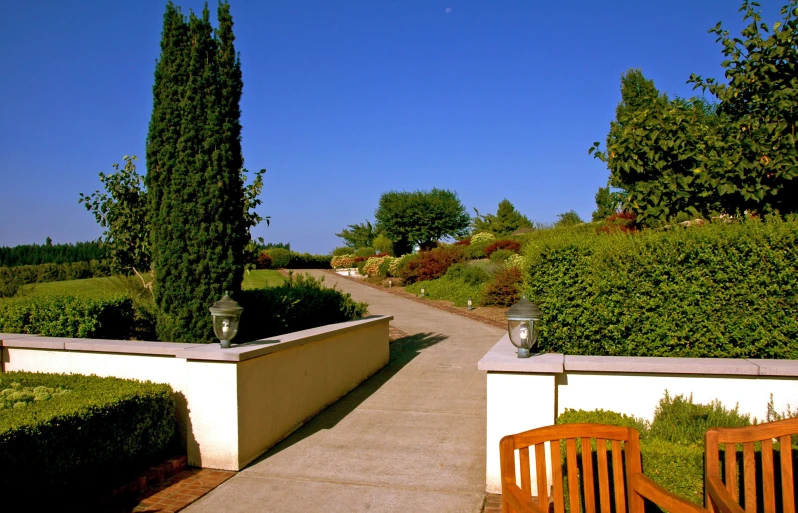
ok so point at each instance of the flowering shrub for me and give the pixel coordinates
(373, 265)
(482, 238)
(343, 261)
(512, 245)
(396, 264)
(480, 241)
(517, 261)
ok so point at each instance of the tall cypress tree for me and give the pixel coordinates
(194, 178)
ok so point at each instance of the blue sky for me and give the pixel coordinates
(345, 100)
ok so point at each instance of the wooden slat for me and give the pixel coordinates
(540, 471)
(526, 480)
(604, 477)
(618, 477)
(749, 477)
(731, 470)
(587, 476)
(556, 476)
(768, 478)
(573, 474)
(785, 458)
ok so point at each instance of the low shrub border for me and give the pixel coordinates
(94, 435)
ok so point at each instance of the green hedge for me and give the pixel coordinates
(308, 261)
(101, 431)
(720, 290)
(42, 273)
(300, 303)
(111, 317)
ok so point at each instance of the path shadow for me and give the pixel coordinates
(402, 352)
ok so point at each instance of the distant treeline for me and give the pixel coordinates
(49, 253)
(271, 245)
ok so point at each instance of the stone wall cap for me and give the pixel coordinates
(256, 348)
(211, 352)
(503, 357)
(776, 367)
(126, 346)
(660, 365)
(33, 342)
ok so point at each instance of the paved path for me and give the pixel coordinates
(411, 438)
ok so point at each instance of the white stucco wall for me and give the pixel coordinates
(232, 404)
(524, 394)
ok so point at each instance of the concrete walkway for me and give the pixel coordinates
(411, 438)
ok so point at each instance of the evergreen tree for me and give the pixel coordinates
(506, 221)
(197, 205)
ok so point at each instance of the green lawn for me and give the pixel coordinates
(100, 286)
(261, 279)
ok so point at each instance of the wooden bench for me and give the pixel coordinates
(774, 468)
(615, 484)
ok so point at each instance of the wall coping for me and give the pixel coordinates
(502, 358)
(209, 352)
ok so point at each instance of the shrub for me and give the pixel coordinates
(371, 267)
(463, 242)
(677, 467)
(109, 317)
(468, 274)
(517, 261)
(432, 264)
(88, 435)
(280, 257)
(307, 261)
(342, 251)
(500, 255)
(479, 241)
(450, 289)
(264, 260)
(718, 290)
(571, 416)
(302, 302)
(508, 244)
(342, 261)
(398, 265)
(503, 289)
(680, 420)
(365, 252)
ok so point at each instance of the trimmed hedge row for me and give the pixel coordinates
(719, 290)
(302, 302)
(111, 317)
(279, 258)
(94, 435)
(43, 273)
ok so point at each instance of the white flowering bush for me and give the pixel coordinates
(517, 261)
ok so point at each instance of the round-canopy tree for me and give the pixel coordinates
(420, 217)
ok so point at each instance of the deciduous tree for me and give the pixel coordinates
(420, 217)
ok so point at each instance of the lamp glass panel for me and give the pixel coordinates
(523, 333)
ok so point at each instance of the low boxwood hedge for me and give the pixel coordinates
(719, 290)
(88, 434)
(109, 317)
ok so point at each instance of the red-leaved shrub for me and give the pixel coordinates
(432, 264)
(263, 261)
(619, 222)
(503, 289)
(464, 242)
(512, 245)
